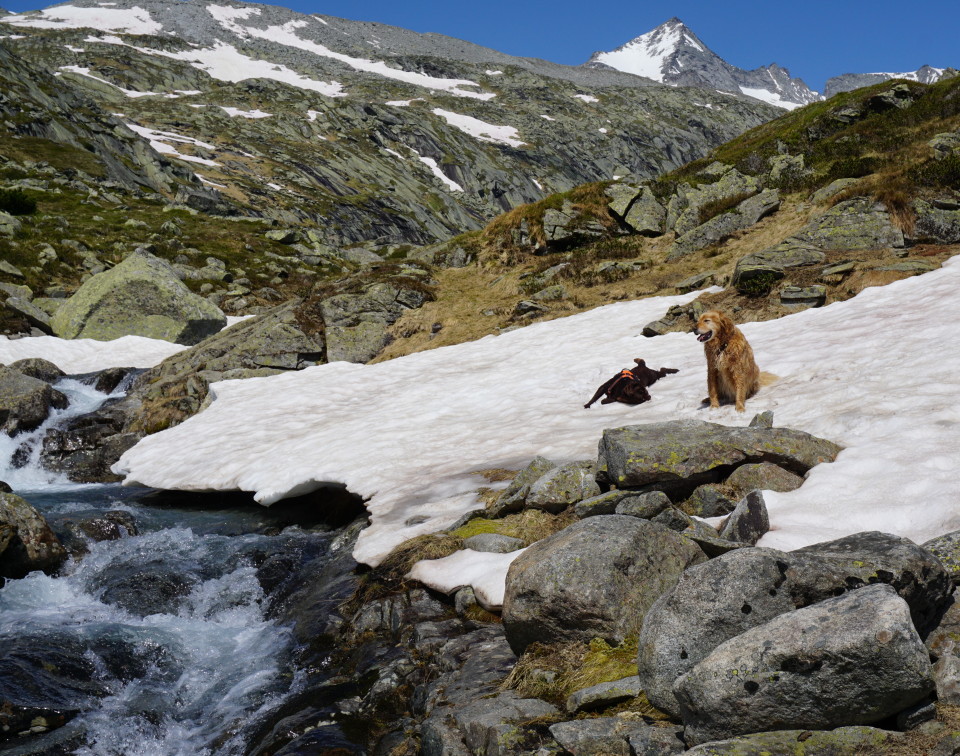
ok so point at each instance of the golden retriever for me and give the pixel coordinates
(732, 373)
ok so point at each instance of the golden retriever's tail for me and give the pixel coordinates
(767, 379)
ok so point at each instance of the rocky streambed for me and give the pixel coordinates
(638, 617)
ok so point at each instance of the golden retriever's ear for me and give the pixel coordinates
(726, 323)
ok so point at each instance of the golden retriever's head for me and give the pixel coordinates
(714, 325)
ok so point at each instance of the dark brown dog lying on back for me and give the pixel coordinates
(630, 386)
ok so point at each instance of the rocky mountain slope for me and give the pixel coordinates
(673, 54)
(369, 133)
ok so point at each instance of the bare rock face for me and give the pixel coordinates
(596, 578)
(854, 659)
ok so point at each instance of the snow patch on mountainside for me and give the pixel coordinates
(286, 35)
(134, 20)
(772, 98)
(485, 132)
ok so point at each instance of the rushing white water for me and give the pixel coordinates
(25, 472)
(204, 668)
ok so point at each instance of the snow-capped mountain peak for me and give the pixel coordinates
(673, 54)
(653, 54)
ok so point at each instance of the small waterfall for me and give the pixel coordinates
(20, 454)
(193, 675)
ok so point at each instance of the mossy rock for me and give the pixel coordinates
(142, 296)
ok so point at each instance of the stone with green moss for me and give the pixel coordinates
(514, 495)
(562, 486)
(858, 223)
(771, 263)
(142, 296)
(723, 225)
(844, 741)
(688, 453)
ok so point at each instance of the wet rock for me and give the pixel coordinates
(85, 447)
(687, 453)
(151, 590)
(35, 367)
(50, 677)
(604, 695)
(748, 521)
(843, 741)
(854, 659)
(25, 402)
(31, 545)
(596, 578)
(562, 486)
(748, 587)
(141, 296)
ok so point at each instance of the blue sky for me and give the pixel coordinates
(815, 39)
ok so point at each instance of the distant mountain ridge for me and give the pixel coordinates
(673, 54)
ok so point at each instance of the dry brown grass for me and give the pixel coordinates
(917, 743)
(393, 569)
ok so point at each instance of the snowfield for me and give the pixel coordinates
(74, 356)
(876, 374)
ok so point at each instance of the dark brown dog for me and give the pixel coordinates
(630, 385)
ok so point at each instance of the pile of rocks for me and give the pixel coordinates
(827, 649)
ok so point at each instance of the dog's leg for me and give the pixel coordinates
(741, 396)
(668, 371)
(600, 392)
(713, 379)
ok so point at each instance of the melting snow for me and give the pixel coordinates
(133, 20)
(429, 161)
(602, 130)
(586, 98)
(128, 92)
(158, 140)
(547, 118)
(225, 63)
(485, 572)
(207, 181)
(74, 356)
(236, 112)
(286, 35)
(485, 132)
(870, 373)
